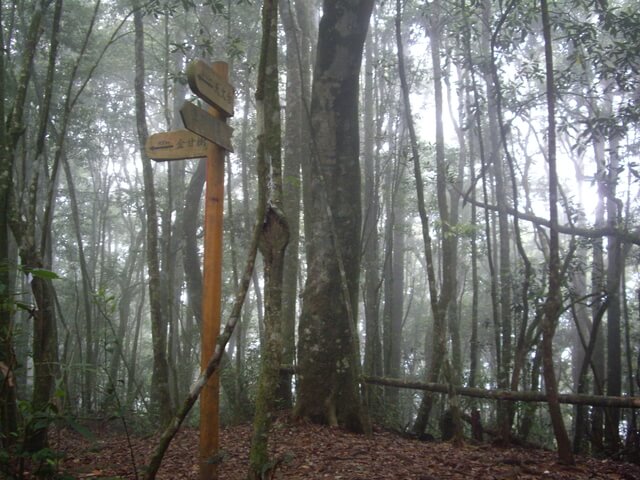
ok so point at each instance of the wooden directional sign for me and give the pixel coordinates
(213, 89)
(200, 122)
(176, 145)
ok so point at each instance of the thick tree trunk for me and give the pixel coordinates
(8, 403)
(45, 350)
(328, 345)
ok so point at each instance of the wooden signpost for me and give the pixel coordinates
(176, 145)
(209, 85)
(205, 125)
(208, 82)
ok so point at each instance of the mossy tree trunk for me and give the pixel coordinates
(328, 346)
(273, 238)
(22, 223)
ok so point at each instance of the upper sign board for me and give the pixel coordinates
(176, 145)
(202, 123)
(213, 89)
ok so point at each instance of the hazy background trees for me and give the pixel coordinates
(449, 237)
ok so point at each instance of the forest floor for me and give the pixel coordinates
(305, 451)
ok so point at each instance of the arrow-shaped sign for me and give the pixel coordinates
(202, 123)
(175, 145)
(210, 87)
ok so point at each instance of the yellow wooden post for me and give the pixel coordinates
(207, 133)
(211, 297)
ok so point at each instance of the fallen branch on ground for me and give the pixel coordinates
(212, 365)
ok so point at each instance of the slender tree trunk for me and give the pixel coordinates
(132, 389)
(448, 215)
(295, 149)
(503, 317)
(475, 139)
(614, 311)
(160, 397)
(127, 295)
(394, 283)
(439, 301)
(553, 305)
(581, 320)
(598, 286)
(23, 226)
(273, 238)
(371, 293)
(87, 292)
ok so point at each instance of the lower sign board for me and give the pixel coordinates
(175, 145)
(200, 122)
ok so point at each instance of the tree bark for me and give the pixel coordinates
(394, 260)
(328, 349)
(296, 148)
(23, 227)
(439, 300)
(273, 238)
(502, 317)
(370, 261)
(553, 304)
(614, 312)
(160, 397)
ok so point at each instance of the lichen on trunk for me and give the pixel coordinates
(274, 237)
(328, 346)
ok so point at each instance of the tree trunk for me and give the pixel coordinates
(87, 293)
(394, 283)
(371, 262)
(328, 344)
(23, 226)
(440, 302)
(160, 397)
(502, 318)
(553, 304)
(614, 311)
(273, 238)
(296, 147)
(8, 403)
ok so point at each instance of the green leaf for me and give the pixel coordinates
(43, 273)
(24, 306)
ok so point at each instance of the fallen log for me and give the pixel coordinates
(508, 395)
